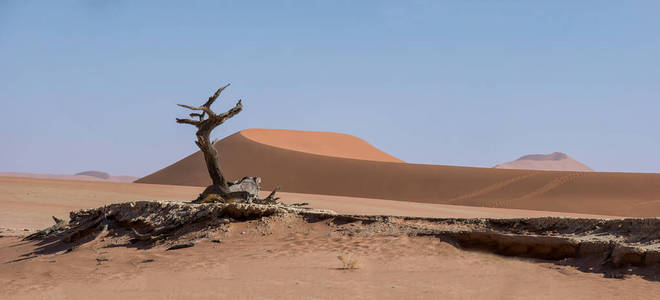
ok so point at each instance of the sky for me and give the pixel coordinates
(93, 84)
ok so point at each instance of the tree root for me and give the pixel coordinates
(245, 190)
(270, 199)
(59, 225)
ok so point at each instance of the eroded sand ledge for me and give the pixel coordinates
(608, 246)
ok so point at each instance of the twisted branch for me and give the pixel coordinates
(215, 96)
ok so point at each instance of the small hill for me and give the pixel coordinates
(97, 174)
(85, 176)
(556, 161)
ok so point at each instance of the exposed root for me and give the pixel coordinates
(152, 222)
(270, 199)
(245, 190)
(59, 225)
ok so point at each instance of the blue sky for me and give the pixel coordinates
(93, 84)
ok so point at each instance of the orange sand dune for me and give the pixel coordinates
(243, 154)
(321, 143)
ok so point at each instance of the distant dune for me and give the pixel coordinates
(302, 171)
(87, 175)
(97, 174)
(549, 162)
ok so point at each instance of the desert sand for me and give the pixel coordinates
(291, 260)
(556, 161)
(299, 262)
(314, 172)
(28, 203)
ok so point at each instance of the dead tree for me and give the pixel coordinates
(206, 120)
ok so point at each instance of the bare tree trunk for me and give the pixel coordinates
(211, 158)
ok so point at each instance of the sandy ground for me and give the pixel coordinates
(294, 262)
(306, 164)
(29, 203)
(298, 261)
(367, 206)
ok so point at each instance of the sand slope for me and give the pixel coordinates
(624, 194)
(549, 162)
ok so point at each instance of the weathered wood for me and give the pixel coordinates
(246, 189)
(270, 199)
(207, 121)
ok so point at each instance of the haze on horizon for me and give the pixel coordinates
(93, 84)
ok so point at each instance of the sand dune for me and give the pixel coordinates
(548, 162)
(625, 194)
(321, 143)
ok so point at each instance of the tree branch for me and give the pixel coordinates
(202, 108)
(200, 116)
(221, 118)
(215, 96)
(188, 121)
